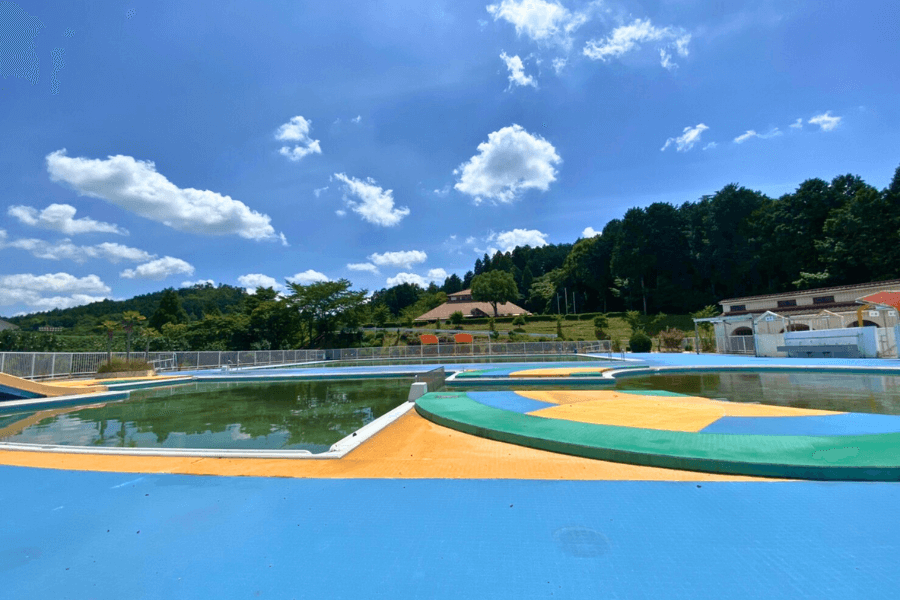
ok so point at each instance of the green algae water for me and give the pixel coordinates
(840, 392)
(296, 415)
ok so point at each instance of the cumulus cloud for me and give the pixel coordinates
(297, 130)
(159, 269)
(826, 121)
(443, 192)
(665, 59)
(356, 119)
(308, 277)
(589, 232)
(66, 250)
(686, 140)
(400, 278)
(369, 267)
(710, 146)
(318, 191)
(251, 281)
(402, 260)
(541, 21)
(516, 69)
(626, 38)
(61, 218)
(136, 186)
(798, 124)
(53, 290)
(437, 274)
(374, 204)
(519, 237)
(509, 163)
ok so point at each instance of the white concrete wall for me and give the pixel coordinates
(865, 338)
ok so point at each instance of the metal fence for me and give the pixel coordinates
(48, 365)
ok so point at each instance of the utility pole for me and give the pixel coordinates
(557, 303)
(574, 310)
(566, 295)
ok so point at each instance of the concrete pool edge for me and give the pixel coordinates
(708, 454)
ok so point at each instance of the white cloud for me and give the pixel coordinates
(710, 146)
(407, 278)
(443, 192)
(341, 212)
(68, 290)
(61, 217)
(798, 124)
(826, 121)
(308, 277)
(543, 22)
(517, 74)
(356, 119)
(518, 237)
(509, 163)
(137, 187)
(369, 267)
(665, 59)
(159, 269)
(66, 250)
(559, 64)
(200, 282)
(376, 205)
(626, 38)
(470, 240)
(251, 281)
(752, 134)
(404, 259)
(297, 130)
(589, 232)
(318, 191)
(437, 274)
(686, 140)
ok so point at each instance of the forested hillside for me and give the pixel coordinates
(660, 258)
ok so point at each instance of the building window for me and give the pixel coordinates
(785, 303)
(823, 300)
(737, 307)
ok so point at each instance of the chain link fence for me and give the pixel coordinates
(49, 365)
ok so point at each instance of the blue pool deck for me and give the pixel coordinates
(84, 534)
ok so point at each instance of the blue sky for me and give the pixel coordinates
(156, 144)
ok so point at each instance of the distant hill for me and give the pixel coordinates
(196, 301)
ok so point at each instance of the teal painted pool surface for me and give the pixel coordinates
(841, 392)
(297, 415)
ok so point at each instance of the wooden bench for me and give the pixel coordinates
(822, 351)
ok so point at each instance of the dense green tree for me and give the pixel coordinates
(130, 320)
(494, 287)
(398, 297)
(324, 307)
(168, 311)
(452, 284)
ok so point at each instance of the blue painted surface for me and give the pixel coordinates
(11, 393)
(510, 401)
(75, 535)
(825, 425)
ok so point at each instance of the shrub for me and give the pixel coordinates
(457, 317)
(519, 330)
(640, 342)
(689, 347)
(671, 339)
(616, 346)
(559, 331)
(519, 320)
(117, 365)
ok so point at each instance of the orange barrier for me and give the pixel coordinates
(463, 338)
(428, 339)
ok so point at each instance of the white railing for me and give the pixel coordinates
(48, 365)
(735, 344)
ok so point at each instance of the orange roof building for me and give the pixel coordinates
(462, 302)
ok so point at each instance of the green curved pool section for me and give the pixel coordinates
(874, 457)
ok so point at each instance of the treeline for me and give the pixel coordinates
(662, 258)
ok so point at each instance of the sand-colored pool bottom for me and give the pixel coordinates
(410, 448)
